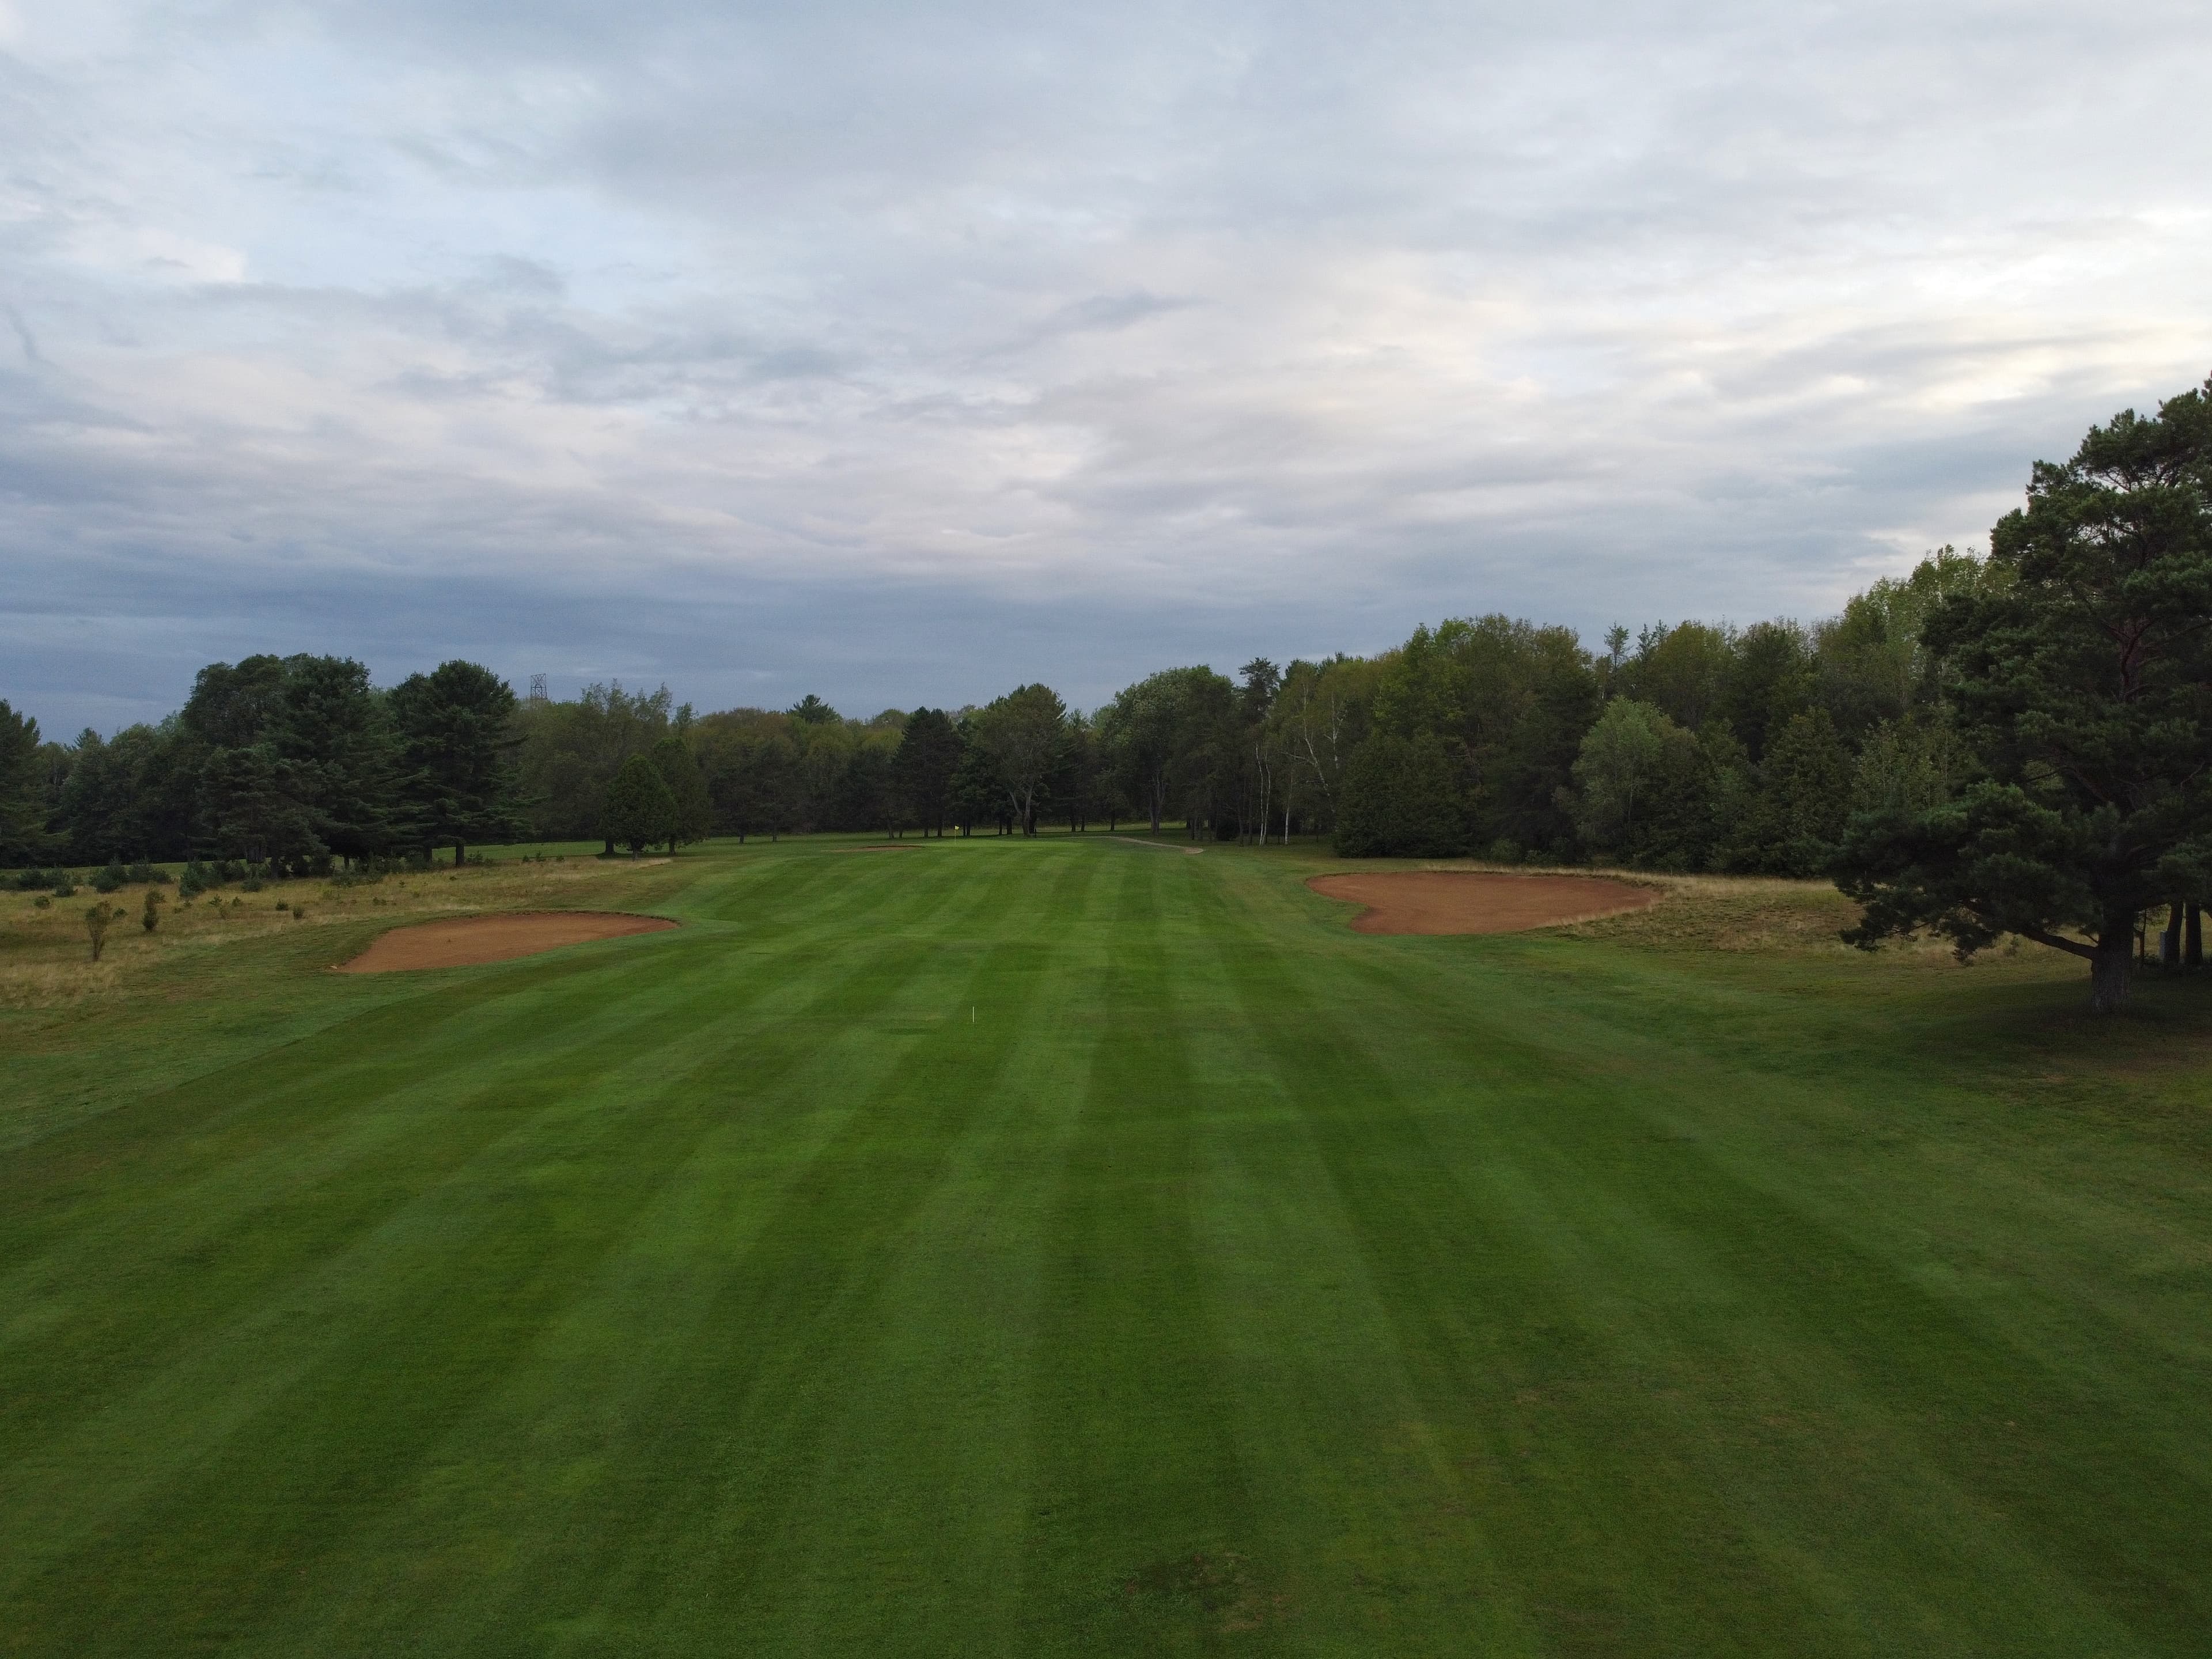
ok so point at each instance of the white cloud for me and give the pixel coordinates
(1216, 327)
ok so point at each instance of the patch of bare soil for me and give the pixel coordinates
(1472, 901)
(470, 941)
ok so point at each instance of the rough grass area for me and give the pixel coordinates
(46, 958)
(1041, 1248)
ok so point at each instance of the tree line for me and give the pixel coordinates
(2016, 744)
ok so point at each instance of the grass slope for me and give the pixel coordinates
(1065, 1248)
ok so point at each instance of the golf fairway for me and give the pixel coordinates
(1066, 1247)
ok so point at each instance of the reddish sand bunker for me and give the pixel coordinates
(468, 941)
(1470, 901)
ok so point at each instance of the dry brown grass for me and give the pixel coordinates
(45, 959)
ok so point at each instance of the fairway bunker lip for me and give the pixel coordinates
(1435, 902)
(473, 941)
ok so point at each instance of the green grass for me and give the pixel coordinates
(1063, 1247)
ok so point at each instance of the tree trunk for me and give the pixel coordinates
(2169, 943)
(2109, 972)
(458, 852)
(2193, 938)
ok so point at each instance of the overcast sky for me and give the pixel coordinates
(902, 354)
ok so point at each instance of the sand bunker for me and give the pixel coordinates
(469, 941)
(1471, 901)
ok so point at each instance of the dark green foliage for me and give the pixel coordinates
(922, 769)
(233, 706)
(976, 797)
(23, 835)
(1770, 677)
(810, 710)
(569, 752)
(692, 814)
(1160, 735)
(98, 918)
(337, 737)
(110, 879)
(2081, 683)
(640, 811)
(454, 723)
(1021, 736)
(1403, 798)
(249, 806)
(863, 798)
(1793, 825)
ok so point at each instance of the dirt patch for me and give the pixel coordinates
(1471, 901)
(469, 941)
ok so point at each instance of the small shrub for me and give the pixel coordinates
(96, 920)
(228, 870)
(251, 885)
(143, 872)
(110, 879)
(64, 887)
(238, 904)
(151, 917)
(299, 913)
(30, 880)
(42, 901)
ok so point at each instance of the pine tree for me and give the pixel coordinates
(640, 811)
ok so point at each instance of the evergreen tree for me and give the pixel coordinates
(928, 754)
(640, 811)
(23, 836)
(455, 723)
(2081, 682)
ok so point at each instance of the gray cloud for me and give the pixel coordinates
(902, 354)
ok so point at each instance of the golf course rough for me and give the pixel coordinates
(1228, 1282)
(1440, 901)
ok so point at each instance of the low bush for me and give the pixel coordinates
(96, 921)
(110, 878)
